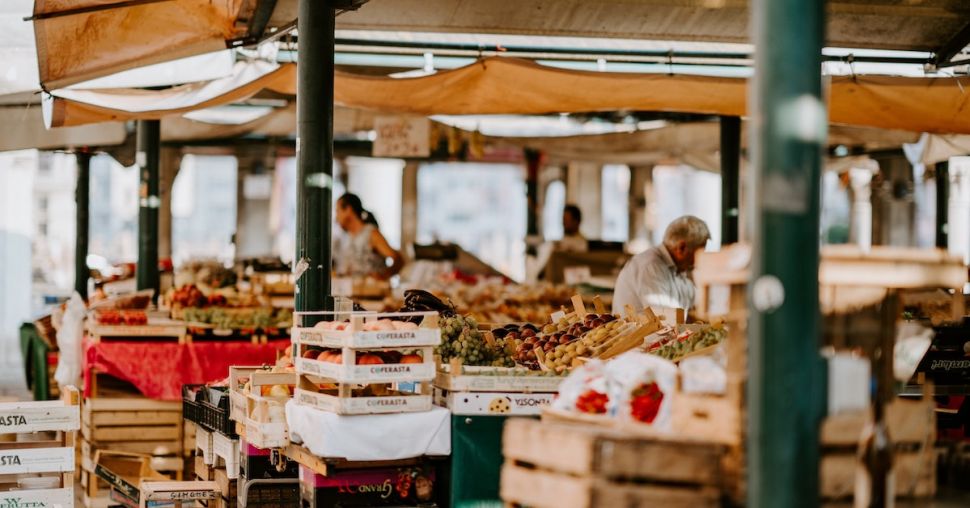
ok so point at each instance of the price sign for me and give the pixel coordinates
(576, 274)
(402, 136)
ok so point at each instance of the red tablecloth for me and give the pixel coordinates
(159, 369)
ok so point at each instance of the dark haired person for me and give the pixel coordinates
(364, 252)
(572, 239)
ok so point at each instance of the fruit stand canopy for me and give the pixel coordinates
(79, 40)
(501, 85)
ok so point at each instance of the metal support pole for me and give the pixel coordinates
(314, 154)
(533, 162)
(81, 193)
(942, 203)
(786, 387)
(148, 143)
(730, 171)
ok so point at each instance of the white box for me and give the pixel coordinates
(493, 403)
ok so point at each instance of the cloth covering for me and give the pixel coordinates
(502, 85)
(370, 437)
(159, 369)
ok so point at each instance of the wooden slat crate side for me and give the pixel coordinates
(144, 447)
(130, 404)
(545, 489)
(131, 433)
(110, 418)
(580, 449)
(915, 474)
(909, 421)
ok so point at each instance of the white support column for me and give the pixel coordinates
(958, 229)
(860, 225)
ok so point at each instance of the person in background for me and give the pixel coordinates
(661, 276)
(364, 251)
(572, 239)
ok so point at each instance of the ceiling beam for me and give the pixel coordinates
(953, 46)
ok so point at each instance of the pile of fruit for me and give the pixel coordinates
(115, 317)
(461, 338)
(368, 358)
(557, 346)
(381, 325)
(675, 346)
(237, 319)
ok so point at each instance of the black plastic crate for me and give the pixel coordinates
(208, 407)
(266, 493)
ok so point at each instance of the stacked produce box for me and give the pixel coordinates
(37, 442)
(367, 363)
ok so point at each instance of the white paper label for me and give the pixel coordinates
(576, 274)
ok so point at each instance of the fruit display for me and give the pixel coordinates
(196, 296)
(248, 318)
(380, 325)
(113, 317)
(330, 355)
(558, 346)
(461, 338)
(490, 301)
(674, 346)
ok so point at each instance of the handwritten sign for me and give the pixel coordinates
(402, 136)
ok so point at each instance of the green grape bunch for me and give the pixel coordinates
(461, 338)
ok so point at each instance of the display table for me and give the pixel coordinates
(159, 369)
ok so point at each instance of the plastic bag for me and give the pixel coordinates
(585, 390)
(69, 337)
(641, 388)
(705, 373)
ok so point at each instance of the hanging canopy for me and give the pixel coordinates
(78, 40)
(84, 39)
(500, 85)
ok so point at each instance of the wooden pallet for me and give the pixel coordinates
(42, 450)
(585, 466)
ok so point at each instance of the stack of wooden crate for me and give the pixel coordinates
(37, 448)
(912, 430)
(589, 465)
(128, 422)
(215, 471)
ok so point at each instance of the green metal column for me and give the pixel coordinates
(730, 173)
(314, 153)
(786, 387)
(81, 193)
(942, 204)
(148, 142)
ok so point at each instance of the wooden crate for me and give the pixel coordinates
(42, 450)
(912, 429)
(173, 331)
(341, 398)
(584, 466)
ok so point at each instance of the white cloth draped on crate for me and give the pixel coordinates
(370, 437)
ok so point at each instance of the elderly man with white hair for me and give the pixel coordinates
(661, 276)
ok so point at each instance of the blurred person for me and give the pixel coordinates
(572, 239)
(364, 250)
(661, 276)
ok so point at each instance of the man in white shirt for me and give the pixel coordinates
(661, 276)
